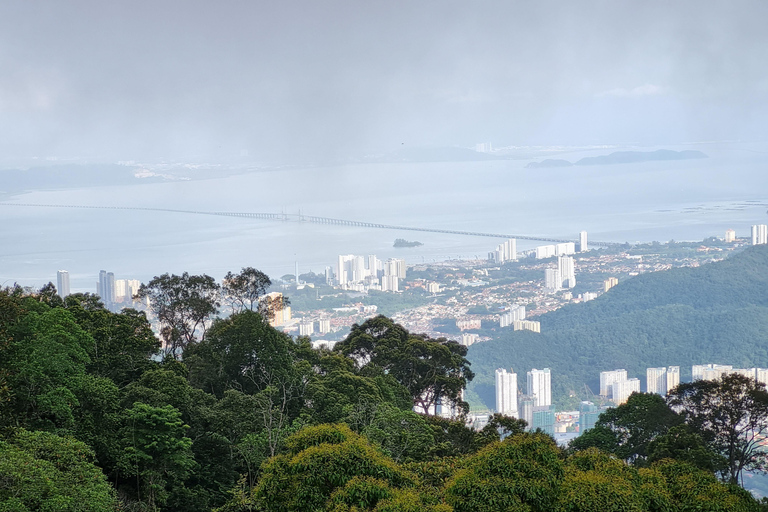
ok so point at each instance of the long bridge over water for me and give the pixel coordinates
(299, 217)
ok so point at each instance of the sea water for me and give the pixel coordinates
(642, 202)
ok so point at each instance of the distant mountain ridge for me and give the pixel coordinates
(622, 157)
(717, 313)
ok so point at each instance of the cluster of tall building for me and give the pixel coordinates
(368, 273)
(760, 234)
(504, 252)
(538, 398)
(718, 371)
(661, 380)
(615, 385)
(111, 291)
(564, 276)
(516, 312)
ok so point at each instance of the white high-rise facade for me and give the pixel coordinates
(506, 393)
(516, 312)
(760, 234)
(608, 378)
(552, 279)
(662, 380)
(620, 390)
(504, 252)
(106, 288)
(540, 386)
(583, 241)
(567, 271)
(62, 283)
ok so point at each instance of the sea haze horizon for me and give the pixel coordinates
(641, 202)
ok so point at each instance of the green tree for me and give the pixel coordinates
(435, 371)
(156, 451)
(627, 430)
(320, 461)
(43, 471)
(182, 304)
(521, 473)
(731, 415)
(244, 291)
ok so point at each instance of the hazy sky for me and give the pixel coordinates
(133, 80)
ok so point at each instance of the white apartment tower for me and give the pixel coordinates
(62, 283)
(760, 234)
(567, 272)
(552, 279)
(540, 386)
(506, 393)
(662, 380)
(621, 390)
(583, 241)
(608, 378)
(504, 252)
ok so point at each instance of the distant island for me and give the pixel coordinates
(622, 157)
(400, 242)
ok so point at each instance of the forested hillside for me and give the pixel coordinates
(717, 313)
(232, 415)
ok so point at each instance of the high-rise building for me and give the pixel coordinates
(567, 272)
(468, 339)
(527, 404)
(588, 415)
(543, 418)
(106, 288)
(610, 283)
(526, 325)
(565, 248)
(656, 380)
(540, 386)
(761, 375)
(506, 393)
(608, 378)
(504, 252)
(709, 371)
(306, 328)
(673, 378)
(324, 326)
(280, 315)
(516, 312)
(395, 267)
(583, 242)
(62, 283)
(545, 251)
(552, 279)
(620, 390)
(760, 234)
(730, 236)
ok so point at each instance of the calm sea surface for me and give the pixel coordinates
(681, 200)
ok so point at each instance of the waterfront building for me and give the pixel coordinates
(506, 393)
(583, 241)
(565, 248)
(62, 283)
(540, 386)
(608, 378)
(504, 252)
(545, 251)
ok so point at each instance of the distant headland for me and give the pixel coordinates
(621, 157)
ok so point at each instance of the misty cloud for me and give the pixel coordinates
(139, 79)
